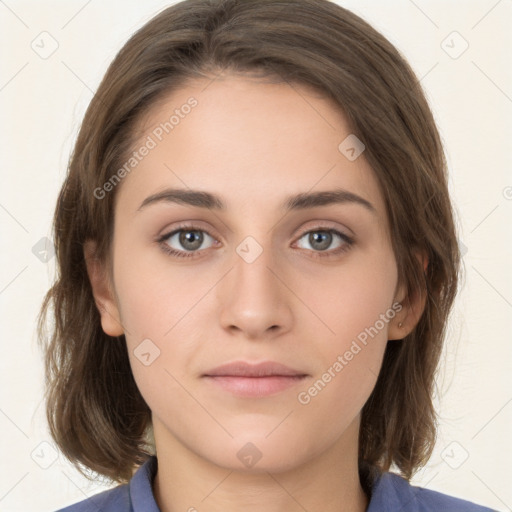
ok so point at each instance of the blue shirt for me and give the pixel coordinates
(390, 493)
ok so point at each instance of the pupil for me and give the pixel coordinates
(324, 237)
(193, 241)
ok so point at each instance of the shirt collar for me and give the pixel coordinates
(392, 493)
(141, 487)
(388, 492)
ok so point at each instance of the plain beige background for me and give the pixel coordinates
(459, 49)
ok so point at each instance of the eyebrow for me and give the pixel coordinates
(302, 201)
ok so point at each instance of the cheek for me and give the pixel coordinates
(152, 312)
(355, 307)
(354, 298)
(342, 314)
(155, 297)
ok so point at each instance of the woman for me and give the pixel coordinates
(257, 259)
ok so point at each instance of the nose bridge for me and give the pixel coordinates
(252, 298)
(252, 267)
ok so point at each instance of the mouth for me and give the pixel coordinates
(254, 380)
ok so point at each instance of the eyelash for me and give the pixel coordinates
(348, 242)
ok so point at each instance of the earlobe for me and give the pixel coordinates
(102, 292)
(397, 326)
(412, 308)
(405, 321)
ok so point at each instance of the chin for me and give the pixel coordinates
(258, 453)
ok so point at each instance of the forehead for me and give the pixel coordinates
(246, 139)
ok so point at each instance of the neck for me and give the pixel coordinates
(329, 481)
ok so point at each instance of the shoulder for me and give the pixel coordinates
(392, 492)
(112, 500)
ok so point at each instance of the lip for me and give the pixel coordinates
(244, 369)
(254, 380)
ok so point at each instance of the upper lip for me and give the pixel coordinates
(244, 369)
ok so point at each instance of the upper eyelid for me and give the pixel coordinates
(192, 226)
(184, 227)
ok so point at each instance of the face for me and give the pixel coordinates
(195, 286)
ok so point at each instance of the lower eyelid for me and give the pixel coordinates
(348, 241)
(167, 236)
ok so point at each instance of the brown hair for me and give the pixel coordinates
(95, 412)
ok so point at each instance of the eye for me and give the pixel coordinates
(187, 241)
(321, 239)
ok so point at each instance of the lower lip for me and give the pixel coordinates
(255, 386)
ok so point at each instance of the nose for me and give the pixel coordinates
(254, 298)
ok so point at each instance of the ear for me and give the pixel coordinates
(412, 307)
(102, 291)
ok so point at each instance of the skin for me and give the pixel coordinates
(254, 144)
